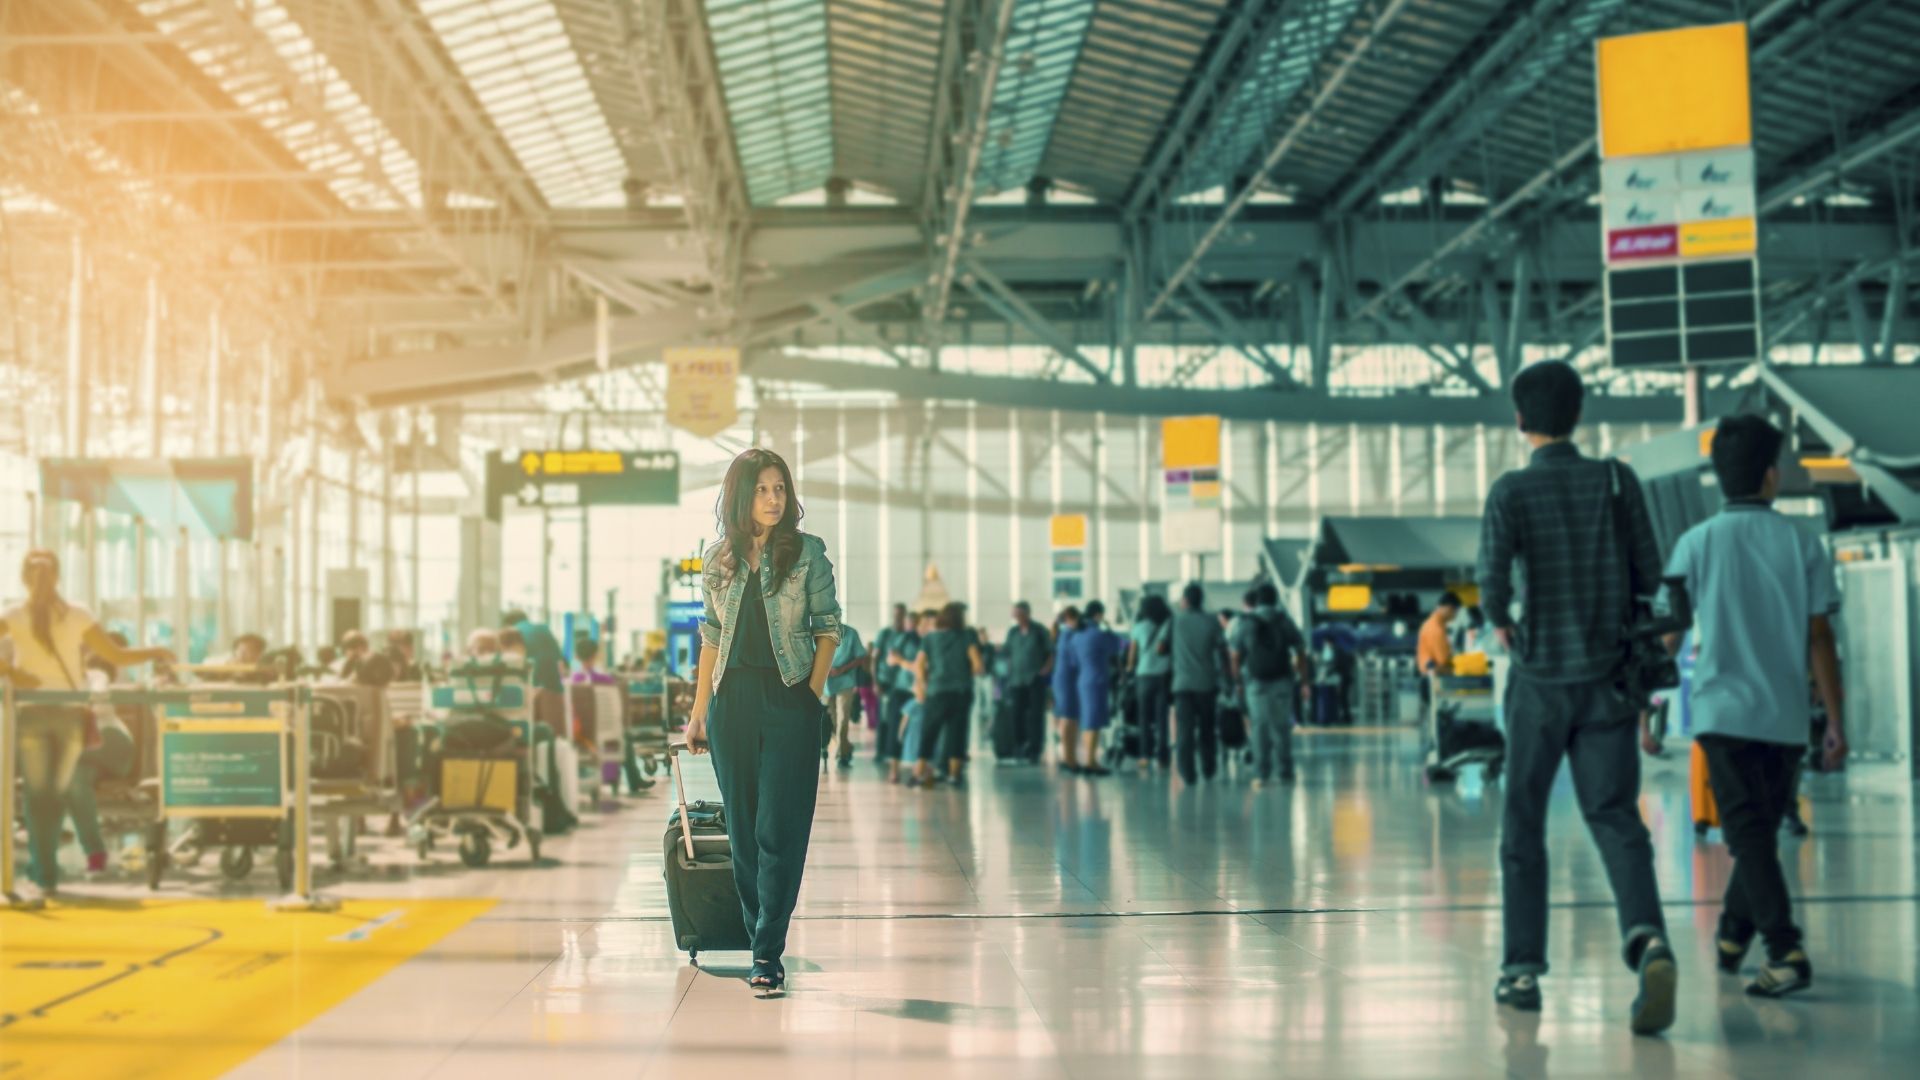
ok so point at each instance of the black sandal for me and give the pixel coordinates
(768, 976)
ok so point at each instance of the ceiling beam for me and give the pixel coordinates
(958, 174)
(1377, 27)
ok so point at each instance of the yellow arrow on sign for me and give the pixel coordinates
(530, 463)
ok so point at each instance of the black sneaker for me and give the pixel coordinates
(1659, 981)
(1796, 826)
(1521, 992)
(1731, 955)
(1287, 775)
(1781, 977)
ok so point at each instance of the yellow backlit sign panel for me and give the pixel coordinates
(1674, 90)
(1734, 236)
(1190, 442)
(1069, 530)
(1349, 597)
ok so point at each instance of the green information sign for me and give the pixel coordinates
(221, 769)
(565, 478)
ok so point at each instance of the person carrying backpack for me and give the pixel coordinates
(1267, 652)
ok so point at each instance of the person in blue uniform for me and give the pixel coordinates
(1066, 702)
(1093, 648)
(771, 625)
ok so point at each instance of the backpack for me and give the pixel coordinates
(1268, 658)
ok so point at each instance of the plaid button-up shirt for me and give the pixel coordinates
(1553, 521)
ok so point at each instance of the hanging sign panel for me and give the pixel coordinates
(1067, 543)
(1679, 216)
(575, 478)
(702, 388)
(1190, 517)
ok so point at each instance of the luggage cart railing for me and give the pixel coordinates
(296, 789)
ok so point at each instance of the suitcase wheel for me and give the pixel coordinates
(1439, 774)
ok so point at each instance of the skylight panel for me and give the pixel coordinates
(516, 56)
(351, 133)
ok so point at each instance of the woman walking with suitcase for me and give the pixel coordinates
(772, 622)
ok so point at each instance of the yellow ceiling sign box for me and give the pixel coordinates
(1674, 90)
(1190, 442)
(1349, 597)
(1734, 236)
(1068, 530)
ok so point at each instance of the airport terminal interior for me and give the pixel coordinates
(1076, 539)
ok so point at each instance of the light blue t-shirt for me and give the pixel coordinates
(849, 650)
(1146, 641)
(1757, 580)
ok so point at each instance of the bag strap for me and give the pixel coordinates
(1622, 531)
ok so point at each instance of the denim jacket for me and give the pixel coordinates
(803, 609)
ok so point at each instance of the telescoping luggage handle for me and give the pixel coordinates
(674, 750)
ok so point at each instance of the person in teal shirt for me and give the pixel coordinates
(546, 667)
(848, 657)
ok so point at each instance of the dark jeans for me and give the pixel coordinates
(892, 708)
(1027, 708)
(766, 753)
(1753, 785)
(1153, 697)
(1594, 728)
(50, 740)
(944, 738)
(1199, 733)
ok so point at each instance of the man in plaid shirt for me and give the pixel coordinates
(1554, 522)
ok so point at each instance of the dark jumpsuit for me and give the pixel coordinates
(765, 737)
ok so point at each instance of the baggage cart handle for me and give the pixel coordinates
(674, 750)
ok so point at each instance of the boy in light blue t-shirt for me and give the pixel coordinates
(1763, 594)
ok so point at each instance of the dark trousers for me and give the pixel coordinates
(1753, 786)
(893, 706)
(944, 738)
(1199, 734)
(1594, 728)
(766, 754)
(1153, 697)
(1027, 709)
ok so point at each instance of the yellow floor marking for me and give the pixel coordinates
(190, 988)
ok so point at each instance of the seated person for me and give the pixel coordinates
(402, 655)
(586, 652)
(109, 755)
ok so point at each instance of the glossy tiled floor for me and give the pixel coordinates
(1128, 927)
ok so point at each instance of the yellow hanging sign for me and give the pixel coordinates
(703, 388)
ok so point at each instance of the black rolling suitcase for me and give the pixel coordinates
(701, 896)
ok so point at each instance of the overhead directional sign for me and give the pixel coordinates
(575, 478)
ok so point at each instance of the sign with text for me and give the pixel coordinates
(702, 388)
(1679, 215)
(580, 478)
(1190, 510)
(223, 765)
(1067, 542)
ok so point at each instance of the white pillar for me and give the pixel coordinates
(1439, 471)
(884, 511)
(1353, 469)
(1016, 489)
(1480, 460)
(76, 433)
(842, 542)
(1147, 488)
(1395, 478)
(216, 411)
(1313, 474)
(1100, 578)
(973, 511)
(150, 372)
(1270, 457)
(1227, 477)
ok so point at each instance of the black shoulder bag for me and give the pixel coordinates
(1648, 666)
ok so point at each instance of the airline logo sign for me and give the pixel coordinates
(1659, 242)
(1679, 205)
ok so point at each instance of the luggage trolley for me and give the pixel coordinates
(1463, 727)
(480, 767)
(355, 767)
(234, 762)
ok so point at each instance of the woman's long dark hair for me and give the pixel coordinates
(952, 617)
(733, 514)
(40, 573)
